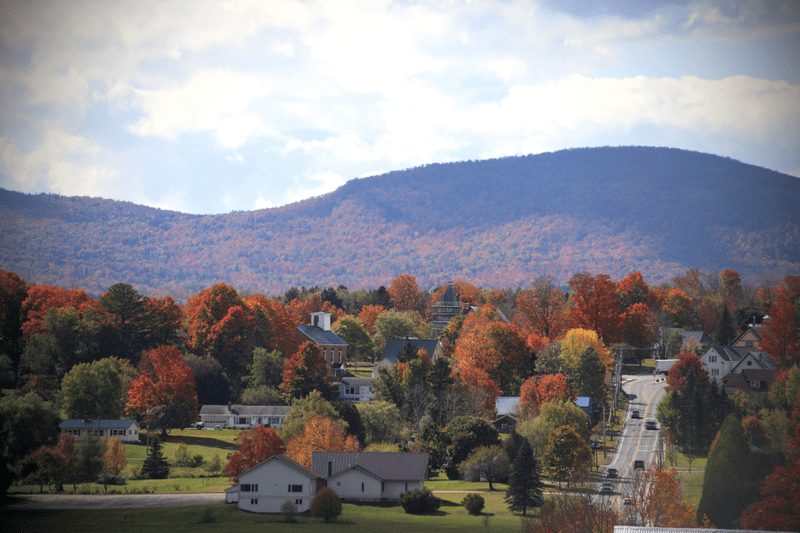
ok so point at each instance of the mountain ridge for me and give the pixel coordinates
(497, 222)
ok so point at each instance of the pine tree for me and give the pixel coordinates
(155, 466)
(724, 331)
(524, 484)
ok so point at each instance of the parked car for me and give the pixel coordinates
(650, 424)
(635, 414)
(611, 472)
(607, 488)
(638, 464)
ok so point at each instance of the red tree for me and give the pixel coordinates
(779, 337)
(632, 289)
(677, 374)
(542, 310)
(595, 305)
(41, 298)
(255, 445)
(306, 371)
(638, 326)
(274, 328)
(538, 390)
(368, 315)
(404, 293)
(164, 381)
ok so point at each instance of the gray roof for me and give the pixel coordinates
(729, 353)
(356, 382)
(321, 336)
(762, 358)
(391, 466)
(394, 347)
(506, 405)
(246, 410)
(78, 423)
(696, 337)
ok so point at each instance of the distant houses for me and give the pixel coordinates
(332, 347)
(126, 430)
(243, 416)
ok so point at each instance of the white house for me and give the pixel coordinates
(355, 390)
(243, 416)
(720, 361)
(265, 487)
(371, 476)
(126, 430)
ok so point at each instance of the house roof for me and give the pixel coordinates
(755, 328)
(246, 410)
(728, 353)
(689, 336)
(385, 465)
(584, 402)
(394, 347)
(356, 382)
(77, 423)
(285, 459)
(504, 416)
(506, 405)
(763, 359)
(321, 336)
(741, 381)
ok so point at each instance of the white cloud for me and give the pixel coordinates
(261, 203)
(316, 185)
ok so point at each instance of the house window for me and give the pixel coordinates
(339, 483)
(295, 488)
(250, 488)
(715, 371)
(298, 502)
(748, 343)
(406, 486)
(253, 501)
(712, 358)
(362, 486)
(755, 384)
(749, 363)
(242, 421)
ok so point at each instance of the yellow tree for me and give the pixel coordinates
(114, 458)
(575, 343)
(320, 434)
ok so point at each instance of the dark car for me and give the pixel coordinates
(635, 414)
(611, 472)
(607, 488)
(651, 424)
(638, 464)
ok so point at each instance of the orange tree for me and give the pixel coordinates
(780, 338)
(538, 390)
(114, 458)
(404, 293)
(677, 374)
(305, 371)
(542, 310)
(656, 501)
(165, 385)
(255, 445)
(595, 305)
(320, 434)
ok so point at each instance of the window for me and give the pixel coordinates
(250, 488)
(339, 483)
(712, 358)
(298, 502)
(755, 384)
(362, 486)
(242, 420)
(749, 363)
(715, 371)
(295, 488)
(253, 501)
(748, 343)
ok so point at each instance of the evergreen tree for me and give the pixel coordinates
(728, 484)
(155, 466)
(725, 331)
(524, 484)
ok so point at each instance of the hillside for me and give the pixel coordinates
(498, 222)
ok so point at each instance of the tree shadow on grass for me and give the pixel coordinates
(207, 442)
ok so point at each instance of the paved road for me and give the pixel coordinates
(110, 501)
(636, 442)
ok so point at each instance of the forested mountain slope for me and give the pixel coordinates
(498, 222)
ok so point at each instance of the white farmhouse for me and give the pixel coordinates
(265, 487)
(126, 430)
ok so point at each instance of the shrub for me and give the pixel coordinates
(181, 454)
(289, 510)
(197, 460)
(420, 501)
(208, 516)
(214, 465)
(326, 505)
(474, 503)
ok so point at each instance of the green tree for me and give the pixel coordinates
(26, 423)
(590, 379)
(86, 462)
(725, 330)
(381, 421)
(303, 410)
(326, 505)
(464, 434)
(352, 331)
(210, 380)
(728, 484)
(552, 415)
(129, 314)
(94, 390)
(524, 484)
(486, 462)
(266, 369)
(262, 395)
(155, 466)
(566, 456)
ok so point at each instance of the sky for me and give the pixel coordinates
(213, 107)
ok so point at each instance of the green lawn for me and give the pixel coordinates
(355, 517)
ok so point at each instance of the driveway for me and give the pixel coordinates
(108, 501)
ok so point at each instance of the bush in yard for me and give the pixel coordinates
(289, 511)
(473, 503)
(326, 505)
(420, 501)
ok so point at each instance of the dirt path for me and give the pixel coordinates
(109, 501)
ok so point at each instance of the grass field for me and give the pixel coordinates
(355, 517)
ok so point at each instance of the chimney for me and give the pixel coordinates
(229, 406)
(330, 467)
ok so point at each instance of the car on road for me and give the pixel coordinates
(638, 464)
(607, 488)
(635, 414)
(628, 500)
(611, 472)
(650, 424)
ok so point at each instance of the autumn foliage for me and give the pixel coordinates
(305, 371)
(780, 337)
(320, 434)
(42, 298)
(677, 374)
(255, 445)
(595, 305)
(657, 501)
(114, 458)
(538, 390)
(404, 293)
(164, 380)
